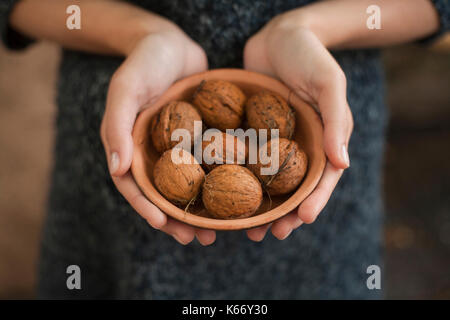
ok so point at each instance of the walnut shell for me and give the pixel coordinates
(174, 115)
(178, 183)
(293, 164)
(238, 151)
(231, 191)
(221, 104)
(269, 110)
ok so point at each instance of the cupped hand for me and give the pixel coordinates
(295, 55)
(155, 62)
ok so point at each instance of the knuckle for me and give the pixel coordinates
(117, 80)
(277, 21)
(122, 81)
(350, 116)
(351, 125)
(134, 200)
(335, 79)
(108, 134)
(350, 121)
(102, 131)
(339, 75)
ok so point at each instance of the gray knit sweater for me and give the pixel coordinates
(89, 224)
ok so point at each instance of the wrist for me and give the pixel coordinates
(139, 29)
(303, 19)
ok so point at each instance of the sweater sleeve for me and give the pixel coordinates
(443, 10)
(8, 36)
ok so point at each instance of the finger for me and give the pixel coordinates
(257, 234)
(118, 121)
(128, 188)
(181, 232)
(310, 208)
(157, 219)
(205, 237)
(337, 122)
(282, 228)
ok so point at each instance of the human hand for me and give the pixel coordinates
(295, 55)
(154, 63)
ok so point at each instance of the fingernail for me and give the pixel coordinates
(114, 162)
(345, 155)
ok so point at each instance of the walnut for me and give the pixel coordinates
(221, 104)
(231, 191)
(237, 151)
(178, 183)
(269, 110)
(174, 115)
(292, 167)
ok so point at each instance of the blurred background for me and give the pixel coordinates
(416, 170)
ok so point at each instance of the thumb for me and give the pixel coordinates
(338, 125)
(117, 127)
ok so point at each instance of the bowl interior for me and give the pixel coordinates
(308, 133)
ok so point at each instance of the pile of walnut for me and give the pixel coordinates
(228, 191)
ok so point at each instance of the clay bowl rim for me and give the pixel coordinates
(138, 166)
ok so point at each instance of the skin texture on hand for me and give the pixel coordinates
(153, 65)
(299, 59)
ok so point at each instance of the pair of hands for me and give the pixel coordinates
(293, 54)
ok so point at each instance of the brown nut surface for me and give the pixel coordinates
(221, 104)
(178, 183)
(269, 110)
(236, 151)
(292, 167)
(231, 191)
(174, 115)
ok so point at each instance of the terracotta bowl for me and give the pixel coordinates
(309, 134)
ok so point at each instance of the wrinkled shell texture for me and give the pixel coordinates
(221, 104)
(237, 151)
(174, 115)
(269, 110)
(231, 191)
(178, 183)
(293, 164)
